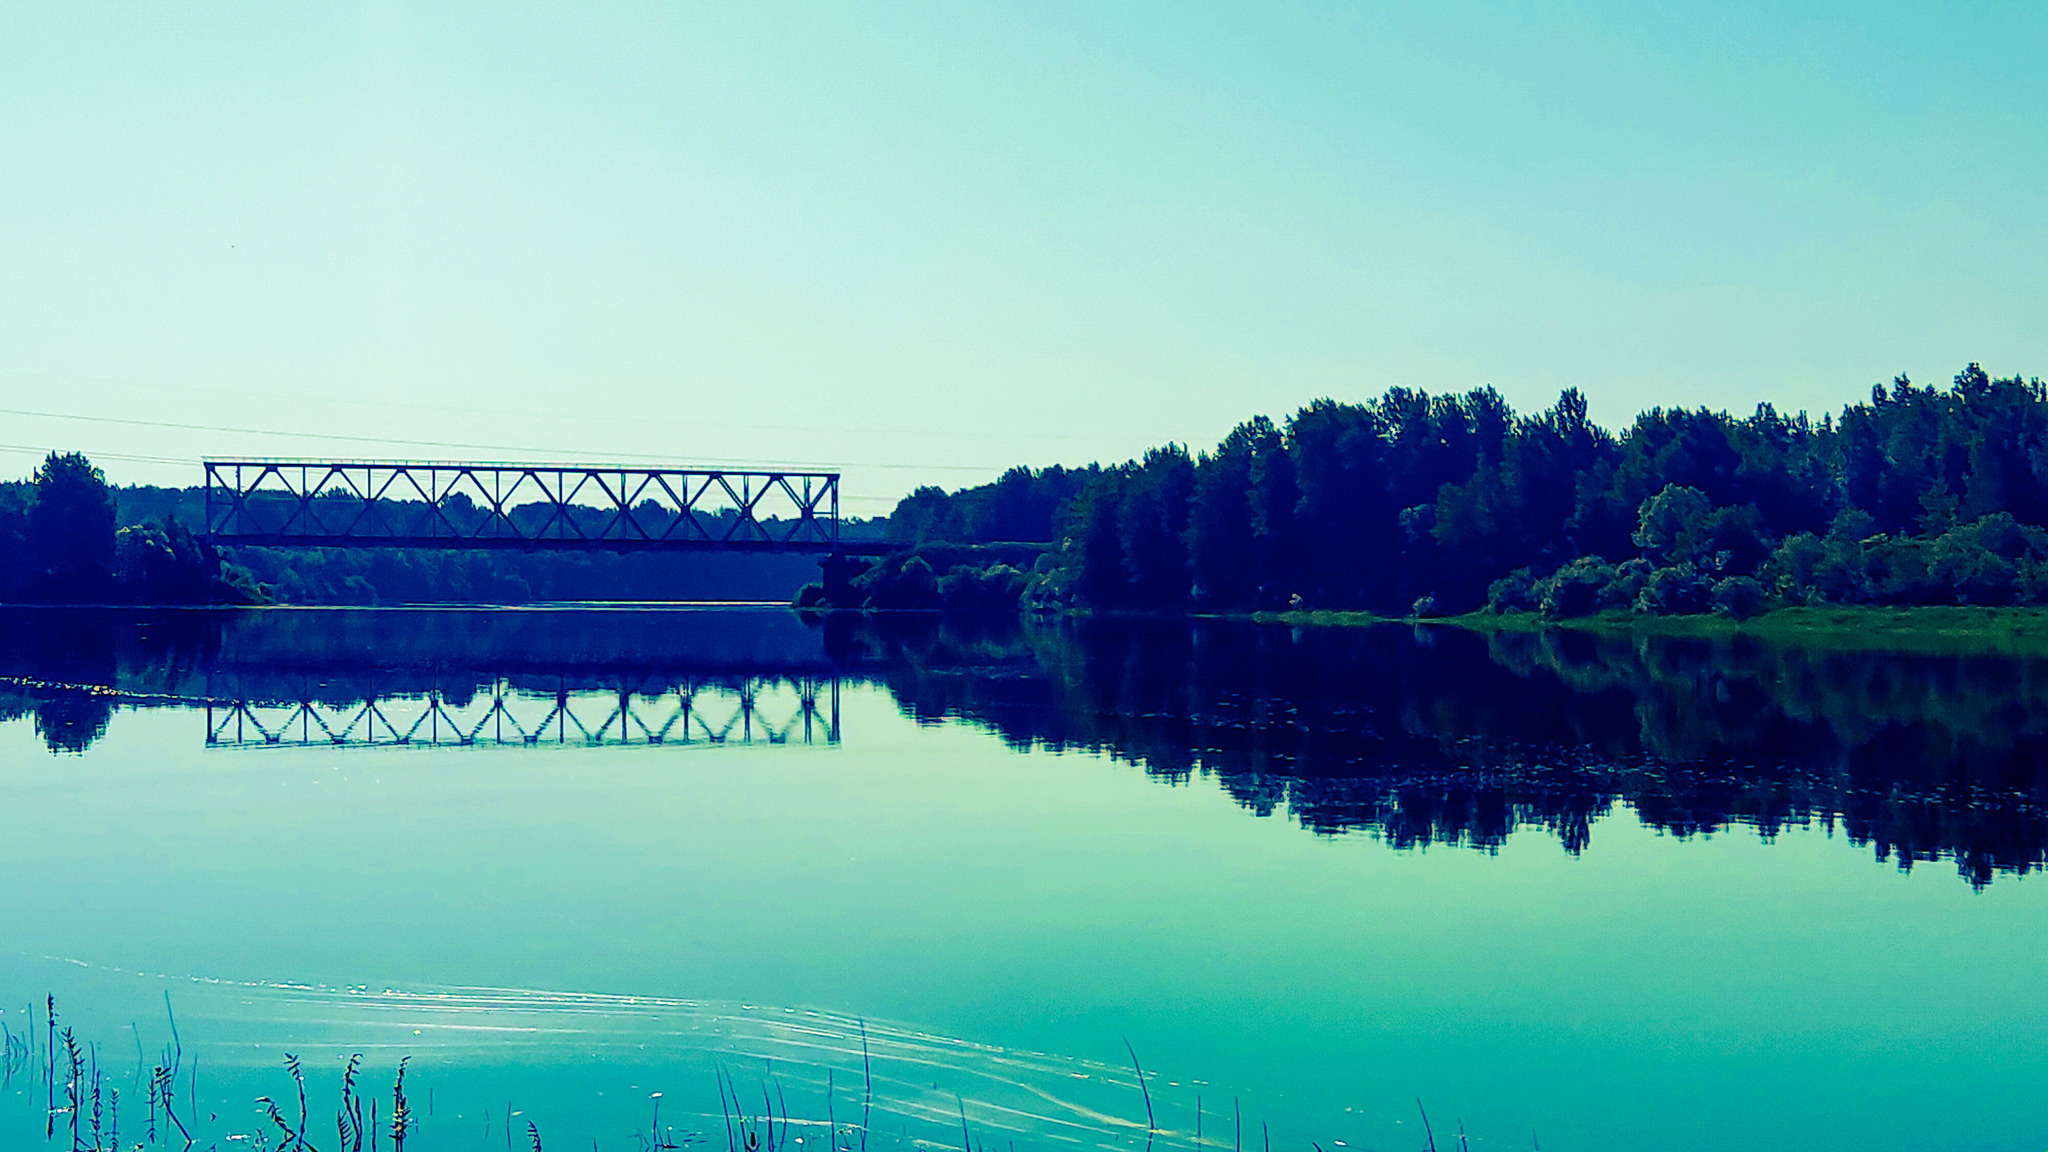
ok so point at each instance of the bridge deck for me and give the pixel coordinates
(408, 504)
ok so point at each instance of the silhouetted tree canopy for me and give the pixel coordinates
(1021, 505)
(71, 531)
(59, 544)
(1453, 502)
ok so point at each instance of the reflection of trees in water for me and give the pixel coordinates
(1917, 756)
(66, 665)
(69, 720)
(1448, 737)
(1433, 737)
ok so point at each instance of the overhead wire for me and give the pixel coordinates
(642, 420)
(341, 437)
(42, 450)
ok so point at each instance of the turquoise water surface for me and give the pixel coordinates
(1310, 880)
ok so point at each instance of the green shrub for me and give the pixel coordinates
(2032, 584)
(994, 589)
(1680, 590)
(1739, 596)
(1621, 593)
(1790, 573)
(1735, 540)
(1514, 592)
(1972, 573)
(899, 582)
(1575, 589)
(1668, 524)
(1899, 570)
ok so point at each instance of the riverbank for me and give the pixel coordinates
(1935, 629)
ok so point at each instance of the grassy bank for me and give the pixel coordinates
(1946, 629)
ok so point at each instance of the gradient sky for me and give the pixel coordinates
(923, 242)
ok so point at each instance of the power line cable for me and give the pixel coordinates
(125, 457)
(243, 394)
(344, 437)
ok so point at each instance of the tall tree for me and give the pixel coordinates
(1152, 524)
(71, 530)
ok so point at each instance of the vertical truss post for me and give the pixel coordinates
(555, 506)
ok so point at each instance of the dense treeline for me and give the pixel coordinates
(60, 544)
(1429, 504)
(971, 551)
(1412, 503)
(1022, 504)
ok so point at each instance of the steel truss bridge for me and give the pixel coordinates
(712, 711)
(395, 504)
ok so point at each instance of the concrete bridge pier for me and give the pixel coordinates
(839, 570)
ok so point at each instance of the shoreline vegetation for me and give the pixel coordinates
(1930, 629)
(62, 542)
(1415, 505)
(1410, 506)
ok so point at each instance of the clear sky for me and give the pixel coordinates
(923, 242)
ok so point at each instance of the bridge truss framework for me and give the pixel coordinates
(356, 503)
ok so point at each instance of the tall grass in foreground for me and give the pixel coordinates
(82, 1106)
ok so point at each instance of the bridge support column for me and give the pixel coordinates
(839, 571)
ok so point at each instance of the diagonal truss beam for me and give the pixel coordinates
(378, 503)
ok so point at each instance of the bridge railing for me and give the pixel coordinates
(342, 503)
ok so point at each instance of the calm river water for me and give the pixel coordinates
(585, 868)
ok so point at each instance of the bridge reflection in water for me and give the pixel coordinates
(526, 712)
